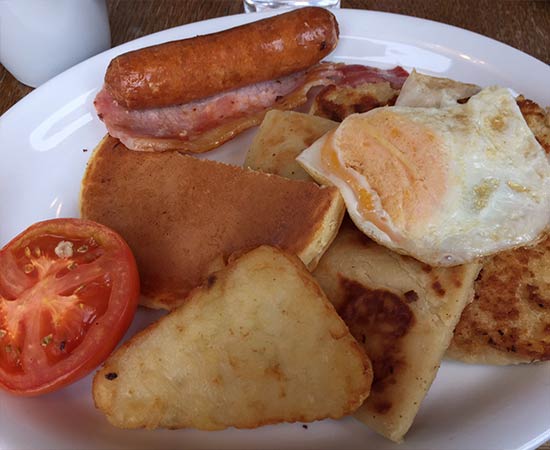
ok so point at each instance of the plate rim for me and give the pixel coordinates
(236, 18)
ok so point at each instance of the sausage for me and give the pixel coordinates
(179, 72)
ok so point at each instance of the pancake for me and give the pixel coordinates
(182, 216)
(538, 120)
(403, 312)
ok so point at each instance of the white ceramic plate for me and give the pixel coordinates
(45, 141)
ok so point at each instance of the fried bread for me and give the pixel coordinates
(509, 320)
(282, 136)
(402, 312)
(182, 216)
(258, 343)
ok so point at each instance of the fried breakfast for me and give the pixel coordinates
(505, 323)
(182, 216)
(258, 343)
(282, 307)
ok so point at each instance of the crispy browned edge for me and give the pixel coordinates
(509, 320)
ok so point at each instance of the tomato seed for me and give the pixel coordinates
(37, 252)
(28, 268)
(64, 249)
(82, 249)
(3, 333)
(79, 289)
(72, 266)
(27, 252)
(46, 340)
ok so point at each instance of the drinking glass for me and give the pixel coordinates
(265, 5)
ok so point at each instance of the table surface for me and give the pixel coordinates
(522, 24)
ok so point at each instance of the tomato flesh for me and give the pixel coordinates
(68, 292)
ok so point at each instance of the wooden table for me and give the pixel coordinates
(524, 25)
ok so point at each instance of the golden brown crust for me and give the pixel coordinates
(182, 216)
(182, 71)
(509, 320)
(538, 120)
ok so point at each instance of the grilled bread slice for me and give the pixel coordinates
(258, 343)
(403, 312)
(182, 216)
(338, 102)
(282, 136)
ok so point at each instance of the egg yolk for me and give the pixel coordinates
(400, 161)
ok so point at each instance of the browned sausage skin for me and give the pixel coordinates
(182, 71)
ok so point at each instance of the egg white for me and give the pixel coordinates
(496, 191)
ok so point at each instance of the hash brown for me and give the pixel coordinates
(338, 102)
(509, 320)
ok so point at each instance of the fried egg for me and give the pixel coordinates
(443, 185)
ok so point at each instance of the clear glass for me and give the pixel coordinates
(266, 5)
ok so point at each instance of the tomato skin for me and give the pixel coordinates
(61, 316)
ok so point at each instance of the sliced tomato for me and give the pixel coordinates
(69, 289)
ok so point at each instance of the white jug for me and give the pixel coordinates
(41, 38)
